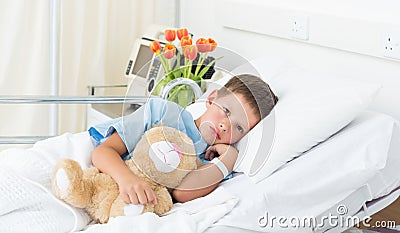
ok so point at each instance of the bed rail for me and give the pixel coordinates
(22, 139)
(42, 99)
(31, 99)
(91, 99)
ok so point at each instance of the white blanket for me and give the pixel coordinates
(193, 216)
(26, 202)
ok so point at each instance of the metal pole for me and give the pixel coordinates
(54, 62)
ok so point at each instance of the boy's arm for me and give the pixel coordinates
(205, 179)
(107, 158)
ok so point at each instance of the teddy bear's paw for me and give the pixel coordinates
(162, 208)
(62, 182)
(133, 210)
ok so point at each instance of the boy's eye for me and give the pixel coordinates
(240, 129)
(226, 111)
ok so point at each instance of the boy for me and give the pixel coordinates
(230, 113)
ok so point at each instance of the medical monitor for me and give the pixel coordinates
(144, 68)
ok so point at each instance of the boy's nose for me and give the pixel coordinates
(224, 126)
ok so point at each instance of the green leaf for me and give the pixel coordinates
(206, 68)
(160, 85)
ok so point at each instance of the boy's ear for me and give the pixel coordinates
(211, 97)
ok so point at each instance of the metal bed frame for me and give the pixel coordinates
(90, 99)
(41, 99)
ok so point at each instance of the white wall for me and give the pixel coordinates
(345, 37)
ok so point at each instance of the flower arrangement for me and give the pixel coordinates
(189, 61)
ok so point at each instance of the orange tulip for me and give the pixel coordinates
(212, 44)
(203, 45)
(181, 32)
(170, 34)
(190, 52)
(169, 51)
(185, 41)
(155, 46)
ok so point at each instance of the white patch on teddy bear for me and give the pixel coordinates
(133, 210)
(166, 156)
(62, 182)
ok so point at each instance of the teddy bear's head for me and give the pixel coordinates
(166, 155)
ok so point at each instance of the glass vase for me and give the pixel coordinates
(180, 94)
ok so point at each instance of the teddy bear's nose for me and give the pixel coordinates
(166, 156)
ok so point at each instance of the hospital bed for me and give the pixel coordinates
(350, 175)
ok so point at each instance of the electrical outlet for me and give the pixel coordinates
(391, 45)
(299, 27)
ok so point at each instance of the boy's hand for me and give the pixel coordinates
(220, 150)
(136, 191)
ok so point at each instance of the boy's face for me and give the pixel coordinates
(226, 120)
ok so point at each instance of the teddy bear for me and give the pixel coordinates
(162, 157)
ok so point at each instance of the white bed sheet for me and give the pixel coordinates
(358, 164)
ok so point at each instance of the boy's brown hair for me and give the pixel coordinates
(256, 92)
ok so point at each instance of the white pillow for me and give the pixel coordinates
(311, 107)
